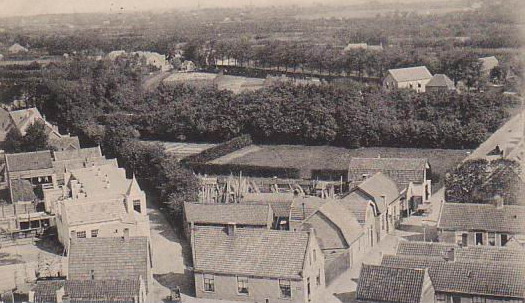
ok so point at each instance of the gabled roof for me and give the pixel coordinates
(88, 290)
(15, 48)
(401, 170)
(379, 186)
(65, 143)
(410, 73)
(391, 284)
(475, 278)
(488, 63)
(95, 211)
(341, 218)
(29, 161)
(357, 204)
(83, 153)
(484, 217)
(281, 203)
(303, 207)
(108, 258)
(465, 254)
(250, 252)
(241, 214)
(441, 80)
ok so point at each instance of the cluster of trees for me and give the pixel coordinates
(482, 181)
(35, 139)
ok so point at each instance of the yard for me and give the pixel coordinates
(307, 158)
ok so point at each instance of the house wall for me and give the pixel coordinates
(414, 85)
(466, 298)
(259, 289)
(428, 291)
(451, 236)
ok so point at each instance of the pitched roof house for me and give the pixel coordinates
(414, 78)
(16, 49)
(253, 264)
(394, 285)
(480, 224)
(488, 63)
(440, 82)
(100, 201)
(57, 291)
(412, 176)
(102, 259)
(454, 280)
(243, 215)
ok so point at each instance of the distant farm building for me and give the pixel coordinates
(415, 78)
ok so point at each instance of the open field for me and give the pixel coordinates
(307, 158)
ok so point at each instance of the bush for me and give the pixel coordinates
(220, 150)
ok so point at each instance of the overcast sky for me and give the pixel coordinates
(35, 7)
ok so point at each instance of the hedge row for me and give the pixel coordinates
(247, 170)
(330, 174)
(220, 150)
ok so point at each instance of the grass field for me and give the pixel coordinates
(307, 158)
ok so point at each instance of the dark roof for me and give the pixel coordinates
(410, 73)
(280, 203)
(303, 207)
(88, 290)
(65, 143)
(241, 214)
(390, 284)
(464, 254)
(401, 170)
(83, 153)
(22, 191)
(357, 204)
(475, 278)
(29, 161)
(429, 249)
(109, 258)
(250, 252)
(486, 217)
(440, 80)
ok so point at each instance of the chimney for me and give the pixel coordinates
(231, 228)
(498, 201)
(448, 254)
(126, 235)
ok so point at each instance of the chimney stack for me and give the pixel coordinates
(231, 229)
(498, 201)
(448, 254)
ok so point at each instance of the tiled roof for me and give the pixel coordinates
(341, 218)
(96, 211)
(440, 80)
(65, 143)
(464, 254)
(95, 180)
(83, 153)
(390, 284)
(303, 207)
(242, 214)
(480, 278)
(22, 191)
(410, 73)
(29, 161)
(357, 204)
(488, 63)
(429, 249)
(88, 290)
(401, 170)
(380, 185)
(250, 252)
(108, 258)
(486, 217)
(281, 203)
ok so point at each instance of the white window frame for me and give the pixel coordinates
(208, 278)
(282, 283)
(243, 280)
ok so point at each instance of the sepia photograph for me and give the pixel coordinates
(262, 151)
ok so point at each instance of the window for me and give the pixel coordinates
(136, 205)
(242, 285)
(479, 238)
(318, 278)
(209, 282)
(94, 233)
(464, 239)
(308, 290)
(92, 273)
(285, 289)
(504, 239)
(315, 256)
(411, 85)
(478, 300)
(492, 239)
(419, 85)
(81, 234)
(441, 298)
(456, 299)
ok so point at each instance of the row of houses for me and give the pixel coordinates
(100, 218)
(277, 246)
(437, 272)
(421, 80)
